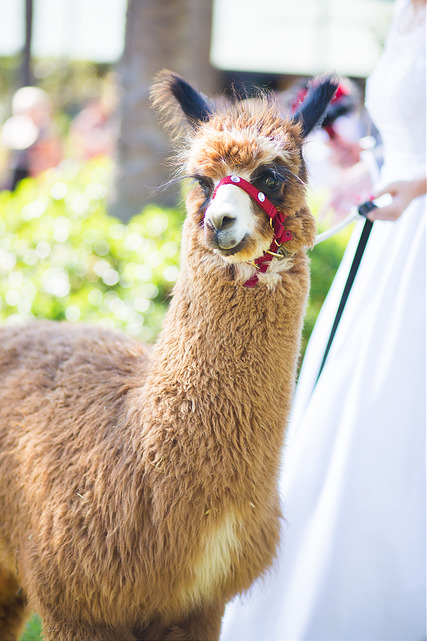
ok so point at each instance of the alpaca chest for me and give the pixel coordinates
(218, 551)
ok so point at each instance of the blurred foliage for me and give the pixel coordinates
(71, 84)
(324, 262)
(32, 630)
(63, 257)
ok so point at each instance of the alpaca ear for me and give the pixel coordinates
(313, 109)
(174, 97)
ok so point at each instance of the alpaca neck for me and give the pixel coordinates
(209, 424)
(227, 355)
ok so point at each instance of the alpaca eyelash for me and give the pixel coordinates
(265, 171)
(261, 179)
(205, 184)
(279, 172)
(272, 173)
(207, 187)
(289, 171)
(165, 185)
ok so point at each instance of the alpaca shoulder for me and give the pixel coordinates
(52, 354)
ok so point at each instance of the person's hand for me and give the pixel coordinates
(403, 193)
(344, 153)
(355, 187)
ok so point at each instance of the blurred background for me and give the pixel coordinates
(89, 220)
(82, 153)
(95, 59)
(85, 231)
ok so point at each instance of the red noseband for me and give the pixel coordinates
(277, 219)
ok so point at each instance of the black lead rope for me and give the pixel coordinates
(364, 210)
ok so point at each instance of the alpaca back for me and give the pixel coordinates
(61, 438)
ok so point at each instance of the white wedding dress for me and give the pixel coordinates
(352, 563)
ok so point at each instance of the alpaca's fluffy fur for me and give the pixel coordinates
(138, 491)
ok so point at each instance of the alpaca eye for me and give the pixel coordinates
(270, 182)
(205, 185)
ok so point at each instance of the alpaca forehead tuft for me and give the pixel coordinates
(244, 134)
(240, 145)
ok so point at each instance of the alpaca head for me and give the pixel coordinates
(251, 140)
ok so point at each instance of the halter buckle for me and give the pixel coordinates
(279, 254)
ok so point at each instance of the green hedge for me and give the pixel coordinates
(324, 261)
(63, 257)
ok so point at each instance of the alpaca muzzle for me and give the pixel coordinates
(276, 217)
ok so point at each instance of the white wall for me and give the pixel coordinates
(75, 29)
(301, 37)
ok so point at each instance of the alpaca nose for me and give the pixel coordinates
(221, 221)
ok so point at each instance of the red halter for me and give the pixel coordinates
(277, 219)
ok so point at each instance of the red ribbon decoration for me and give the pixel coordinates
(277, 218)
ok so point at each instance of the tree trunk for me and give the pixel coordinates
(26, 71)
(159, 33)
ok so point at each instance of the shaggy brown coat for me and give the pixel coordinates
(138, 491)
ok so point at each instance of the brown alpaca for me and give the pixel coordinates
(138, 490)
